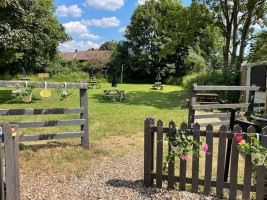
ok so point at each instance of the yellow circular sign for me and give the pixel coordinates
(45, 93)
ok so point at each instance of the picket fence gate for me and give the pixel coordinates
(151, 172)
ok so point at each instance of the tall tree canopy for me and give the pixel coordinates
(30, 35)
(258, 48)
(236, 19)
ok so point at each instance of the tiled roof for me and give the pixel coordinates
(86, 55)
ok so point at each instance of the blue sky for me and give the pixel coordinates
(92, 22)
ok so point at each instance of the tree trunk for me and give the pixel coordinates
(235, 27)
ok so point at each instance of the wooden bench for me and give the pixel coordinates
(113, 93)
(157, 85)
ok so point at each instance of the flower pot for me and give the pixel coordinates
(27, 98)
(257, 156)
(66, 98)
(177, 149)
(46, 98)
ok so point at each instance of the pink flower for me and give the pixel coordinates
(239, 138)
(205, 147)
(184, 157)
(16, 91)
(65, 92)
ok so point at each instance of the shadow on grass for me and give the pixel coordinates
(156, 98)
(6, 97)
(48, 145)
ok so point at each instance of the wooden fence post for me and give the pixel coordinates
(171, 163)
(159, 154)
(183, 164)
(261, 169)
(220, 162)
(12, 162)
(147, 153)
(208, 161)
(2, 184)
(251, 99)
(84, 115)
(195, 161)
(192, 101)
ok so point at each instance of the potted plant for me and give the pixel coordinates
(64, 94)
(24, 94)
(258, 153)
(182, 146)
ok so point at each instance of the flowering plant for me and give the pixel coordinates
(182, 146)
(20, 93)
(258, 153)
(63, 94)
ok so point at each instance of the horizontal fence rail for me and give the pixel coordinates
(82, 111)
(154, 134)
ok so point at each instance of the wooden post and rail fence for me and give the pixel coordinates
(82, 110)
(153, 161)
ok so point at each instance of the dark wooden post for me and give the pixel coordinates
(12, 162)
(2, 185)
(183, 164)
(195, 161)
(159, 154)
(171, 163)
(251, 99)
(84, 115)
(229, 145)
(152, 134)
(147, 153)
(208, 161)
(261, 169)
(192, 101)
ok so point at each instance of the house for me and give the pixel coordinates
(95, 57)
(255, 74)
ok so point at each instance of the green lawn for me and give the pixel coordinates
(115, 127)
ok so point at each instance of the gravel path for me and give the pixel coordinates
(121, 178)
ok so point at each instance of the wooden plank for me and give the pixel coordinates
(234, 165)
(232, 88)
(15, 141)
(208, 161)
(220, 106)
(51, 136)
(42, 84)
(9, 167)
(202, 182)
(261, 169)
(183, 165)
(44, 75)
(214, 123)
(195, 162)
(191, 103)
(220, 162)
(159, 154)
(172, 161)
(49, 123)
(48, 111)
(152, 122)
(213, 115)
(2, 184)
(147, 154)
(248, 170)
(84, 116)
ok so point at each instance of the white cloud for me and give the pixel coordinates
(75, 27)
(74, 11)
(104, 22)
(80, 45)
(141, 2)
(122, 29)
(80, 29)
(89, 36)
(106, 4)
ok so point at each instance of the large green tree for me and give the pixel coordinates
(30, 35)
(258, 48)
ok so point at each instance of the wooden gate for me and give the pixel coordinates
(152, 172)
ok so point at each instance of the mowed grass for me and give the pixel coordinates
(115, 128)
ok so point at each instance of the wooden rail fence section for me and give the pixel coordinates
(150, 174)
(83, 111)
(193, 106)
(10, 186)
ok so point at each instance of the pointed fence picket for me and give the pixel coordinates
(219, 184)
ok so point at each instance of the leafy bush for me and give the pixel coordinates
(194, 63)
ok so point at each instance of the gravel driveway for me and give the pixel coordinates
(121, 178)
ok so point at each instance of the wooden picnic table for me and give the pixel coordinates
(157, 85)
(113, 93)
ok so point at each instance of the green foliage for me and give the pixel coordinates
(194, 63)
(64, 93)
(30, 35)
(108, 46)
(258, 49)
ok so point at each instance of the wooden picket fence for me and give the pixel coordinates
(152, 172)
(9, 183)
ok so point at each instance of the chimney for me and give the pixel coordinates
(76, 50)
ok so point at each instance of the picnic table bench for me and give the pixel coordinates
(207, 98)
(157, 85)
(94, 84)
(113, 93)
